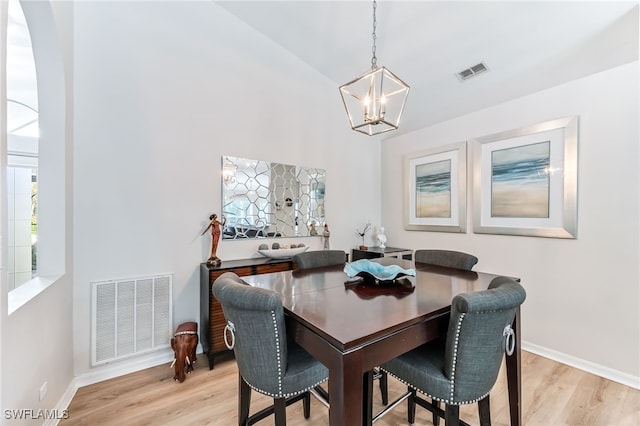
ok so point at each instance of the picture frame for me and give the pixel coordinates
(525, 180)
(435, 182)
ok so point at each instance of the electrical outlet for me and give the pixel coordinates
(43, 391)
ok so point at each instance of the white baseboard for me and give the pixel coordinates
(63, 403)
(120, 368)
(590, 367)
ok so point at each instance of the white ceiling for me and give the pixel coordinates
(527, 46)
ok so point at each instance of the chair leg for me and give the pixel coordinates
(243, 402)
(384, 387)
(435, 418)
(484, 411)
(279, 408)
(411, 406)
(367, 397)
(322, 393)
(306, 405)
(452, 415)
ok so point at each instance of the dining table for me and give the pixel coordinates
(353, 325)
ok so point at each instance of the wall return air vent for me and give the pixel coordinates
(472, 71)
(130, 317)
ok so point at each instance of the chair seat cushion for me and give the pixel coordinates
(303, 370)
(422, 369)
(302, 373)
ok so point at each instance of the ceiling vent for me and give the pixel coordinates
(472, 71)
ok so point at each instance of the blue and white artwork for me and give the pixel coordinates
(520, 181)
(433, 189)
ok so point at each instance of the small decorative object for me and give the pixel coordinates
(312, 229)
(184, 344)
(282, 253)
(375, 273)
(382, 239)
(216, 230)
(326, 234)
(363, 233)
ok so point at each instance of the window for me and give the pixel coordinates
(22, 150)
(36, 144)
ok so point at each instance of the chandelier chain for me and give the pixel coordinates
(374, 60)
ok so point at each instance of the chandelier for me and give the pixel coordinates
(375, 100)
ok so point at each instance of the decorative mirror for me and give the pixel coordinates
(262, 199)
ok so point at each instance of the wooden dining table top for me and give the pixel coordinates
(349, 314)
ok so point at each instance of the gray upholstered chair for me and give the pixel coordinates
(462, 368)
(268, 362)
(447, 258)
(319, 258)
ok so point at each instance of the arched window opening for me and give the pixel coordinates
(22, 150)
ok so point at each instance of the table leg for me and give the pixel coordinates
(514, 376)
(346, 391)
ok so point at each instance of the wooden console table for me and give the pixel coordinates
(211, 317)
(376, 252)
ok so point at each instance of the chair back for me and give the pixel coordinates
(476, 338)
(319, 258)
(260, 336)
(447, 258)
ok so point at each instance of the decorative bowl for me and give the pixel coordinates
(375, 273)
(282, 253)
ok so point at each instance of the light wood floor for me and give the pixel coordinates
(553, 395)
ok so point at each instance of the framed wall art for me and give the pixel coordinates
(435, 189)
(525, 181)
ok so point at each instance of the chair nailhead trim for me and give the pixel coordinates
(275, 332)
(284, 395)
(455, 359)
(412, 386)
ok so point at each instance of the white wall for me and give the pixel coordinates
(4, 11)
(583, 299)
(162, 91)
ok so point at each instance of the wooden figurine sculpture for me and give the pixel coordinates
(184, 344)
(216, 229)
